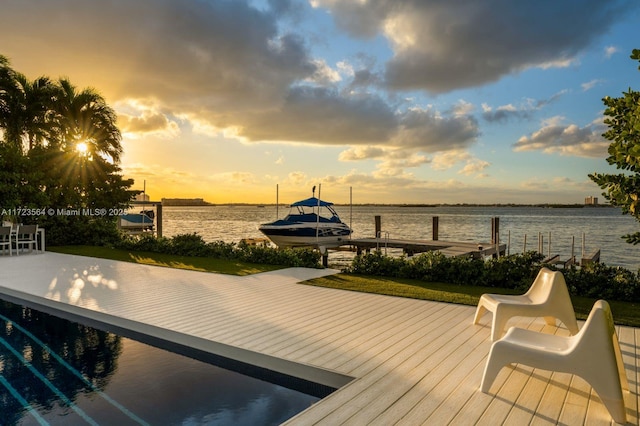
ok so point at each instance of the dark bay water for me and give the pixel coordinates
(558, 228)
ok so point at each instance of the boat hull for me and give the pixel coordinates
(306, 235)
(136, 222)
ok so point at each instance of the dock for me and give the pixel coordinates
(396, 360)
(411, 247)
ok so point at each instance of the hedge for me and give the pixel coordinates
(194, 245)
(516, 271)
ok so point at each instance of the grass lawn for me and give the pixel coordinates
(624, 313)
(204, 264)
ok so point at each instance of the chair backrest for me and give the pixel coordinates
(548, 283)
(27, 230)
(5, 231)
(599, 323)
(599, 340)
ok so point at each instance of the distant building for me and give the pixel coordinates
(184, 202)
(591, 201)
(141, 197)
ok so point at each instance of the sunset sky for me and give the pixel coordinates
(405, 101)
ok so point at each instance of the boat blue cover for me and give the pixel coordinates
(311, 202)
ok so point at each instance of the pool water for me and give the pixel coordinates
(54, 371)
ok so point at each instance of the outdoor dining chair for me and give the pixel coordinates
(593, 354)
(6, 239)
(547, 297)
(26, 237)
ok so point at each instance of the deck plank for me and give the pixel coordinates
(413, 362)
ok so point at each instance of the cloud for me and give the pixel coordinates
(429, 131)
(475, 167)
(321, 115)
(136, 120)
(609, 51)
(566, 139)
(192, 55)
(396, 166)
(524, 111)
(439, 46)
(505, 113)
(446, 160)
(324, 74)
(362, 153)
(590, 84)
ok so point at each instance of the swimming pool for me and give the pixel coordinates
(55, 371)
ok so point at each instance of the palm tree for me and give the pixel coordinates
(8, 89)
(85, 118)
(26, 113)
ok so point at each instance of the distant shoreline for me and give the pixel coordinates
(541, 205)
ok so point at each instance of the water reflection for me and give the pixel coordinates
(89, 358)
(53, 370)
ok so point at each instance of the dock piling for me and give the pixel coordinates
(495, 229)
(434, 228)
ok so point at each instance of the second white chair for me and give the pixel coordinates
(547, 297)
(593, 354)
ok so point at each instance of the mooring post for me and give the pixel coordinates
(158, 220)
(378, 220)
(434, 228)
(495, 229)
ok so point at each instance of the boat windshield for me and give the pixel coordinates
(306, 210)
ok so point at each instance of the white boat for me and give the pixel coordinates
(137, 222)
(310, 223)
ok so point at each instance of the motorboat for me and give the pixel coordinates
(137, 222)
(310, 223)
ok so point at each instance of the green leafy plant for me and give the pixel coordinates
(195, 246)
(623, 118)
(514, 272)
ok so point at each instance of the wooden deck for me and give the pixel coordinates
(448, 248)
(413, 362)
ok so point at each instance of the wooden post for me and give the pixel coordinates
(540, 243)
(495, 229)
(378, 220)
(434, 228)
(159, 220)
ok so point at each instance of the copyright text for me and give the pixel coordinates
(62, 212)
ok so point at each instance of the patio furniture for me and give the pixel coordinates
(26, 237)
(593, 354)
(5, 239)
(547, 297)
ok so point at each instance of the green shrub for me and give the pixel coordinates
(194, 245)
(144, 242)
(513, 272)
(375, 263)
(189, 245)
(606, 282)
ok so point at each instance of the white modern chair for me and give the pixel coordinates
(593, 354)
(6, 239)
(547, 297)
(26, 237)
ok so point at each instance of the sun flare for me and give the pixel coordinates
(82, 147)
